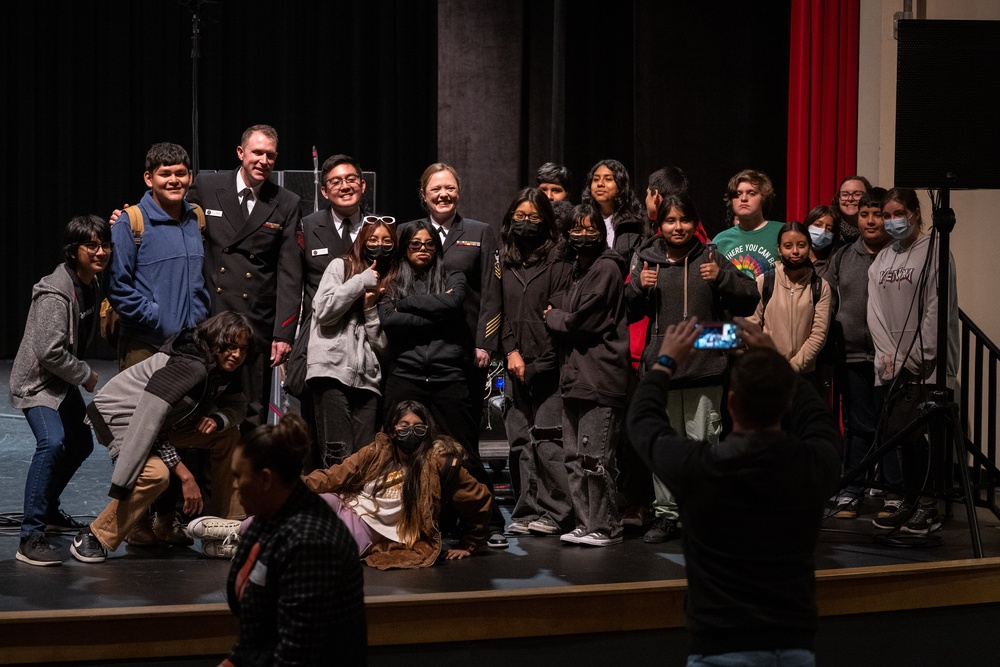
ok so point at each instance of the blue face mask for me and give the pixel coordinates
(897, 228)
(821, 237)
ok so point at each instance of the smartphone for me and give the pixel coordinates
(717, 336)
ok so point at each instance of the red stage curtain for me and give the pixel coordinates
(822, 101)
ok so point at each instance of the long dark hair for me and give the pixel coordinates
(413, 469)
(354, 260)
(511, 254)
(627, 206)
(402, 279)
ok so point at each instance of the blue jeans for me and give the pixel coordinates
(62, 443)
(795, 657)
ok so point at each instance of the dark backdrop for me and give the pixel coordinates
(90, 85)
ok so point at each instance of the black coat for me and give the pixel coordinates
(471, 247)
(252, 267)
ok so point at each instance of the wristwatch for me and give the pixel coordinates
(667, 362)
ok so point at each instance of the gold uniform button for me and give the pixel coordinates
(249, 275)
(222, 270)
(218, 290)
(252, 256)
(246, 296)
(225, 250)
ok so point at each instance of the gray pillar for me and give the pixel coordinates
(479, 101)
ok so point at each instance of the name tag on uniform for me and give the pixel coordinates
(273, 225)
(320, 251)
(471, 244)
(212, 212)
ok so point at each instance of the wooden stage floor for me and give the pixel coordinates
(538, 587)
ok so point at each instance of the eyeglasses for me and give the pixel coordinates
(375, 243)
(420, 430)
(520, 217)
(379, 220)
(93, 247)
(416, 245)
(580, 231)
(850, 196)
(337, 181)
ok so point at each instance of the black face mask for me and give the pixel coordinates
(801, 264)
(407, 444)
(380, 255)
(525, 232)
(585, 245)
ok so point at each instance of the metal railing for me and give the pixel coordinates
(978, 376)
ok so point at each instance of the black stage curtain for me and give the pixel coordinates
(89, 85)
(703, 86)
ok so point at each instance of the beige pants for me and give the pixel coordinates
(221, 445)
(114, 524)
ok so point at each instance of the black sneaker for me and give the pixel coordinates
(662, 530)
(35, 550)
(924, 521)
(895, 519)
(87, 549)
(60, 522)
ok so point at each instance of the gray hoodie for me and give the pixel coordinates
(47, 362)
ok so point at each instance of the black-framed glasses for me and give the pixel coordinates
(582, 231)
(521, 217)
(851, 196)
(375, 243)
(379, 220)
(415, 245)
(337, 181)
(93, 247)
(420, 430)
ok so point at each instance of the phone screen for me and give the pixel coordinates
(717, 336)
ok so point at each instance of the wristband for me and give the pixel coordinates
(667, 362)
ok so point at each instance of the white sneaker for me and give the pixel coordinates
(574, 536)
(600, 539)
(224, 548)
(212, 528)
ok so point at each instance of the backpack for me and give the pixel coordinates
(110, 327)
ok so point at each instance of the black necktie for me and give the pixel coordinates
(247, 194)
(345, 232)
(441, 238)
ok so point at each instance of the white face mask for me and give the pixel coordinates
(897, 228)
(821, 237)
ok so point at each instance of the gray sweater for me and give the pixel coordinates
(847, 274)
(47, 362)
(344, 342)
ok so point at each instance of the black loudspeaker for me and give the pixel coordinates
(948, 105)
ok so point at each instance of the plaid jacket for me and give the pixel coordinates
(297, 588)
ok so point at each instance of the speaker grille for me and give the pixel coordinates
(948, 105)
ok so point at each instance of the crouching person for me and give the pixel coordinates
(190, 385)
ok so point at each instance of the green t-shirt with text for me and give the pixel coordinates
(754, 252)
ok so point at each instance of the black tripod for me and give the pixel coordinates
(938, 414)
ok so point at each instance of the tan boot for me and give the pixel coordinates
(167, 528)
(142, 534)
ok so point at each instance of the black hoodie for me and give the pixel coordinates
(674, 299)
(593, 333)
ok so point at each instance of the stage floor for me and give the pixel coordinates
(136, 577)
